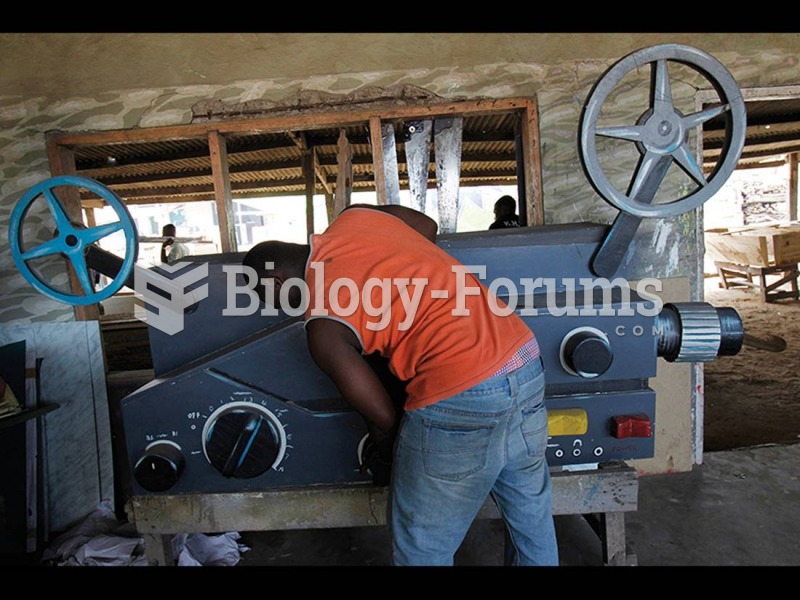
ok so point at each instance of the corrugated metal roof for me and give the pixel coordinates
(773, 132)
(271, 163)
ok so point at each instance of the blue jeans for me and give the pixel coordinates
(489, 439)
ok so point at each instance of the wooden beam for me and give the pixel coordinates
(299, 139)
(522, 195)
(294, 122)
(163, 161)
(321, 177)
(766, 128)
(222, 190)
(532, 159)
(88, 212)
(178, 175)
(310, 181)
(756, 151)
(205, 193)
(329, 207)
(121, 181)
(793, 186)
(472, 157)
(376, 140)
(344, 173)
(62, 162)
(744, 166)
(325, 139)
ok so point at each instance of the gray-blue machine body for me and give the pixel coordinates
(238, 404)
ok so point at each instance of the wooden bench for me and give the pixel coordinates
(602, 495)
(753, 256)
(736, 275)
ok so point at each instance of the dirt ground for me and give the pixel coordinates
(754, 397)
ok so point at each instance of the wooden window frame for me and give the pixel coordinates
(60, 148)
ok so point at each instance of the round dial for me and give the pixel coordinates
(586, 352)
(243, 440)
(159, 467)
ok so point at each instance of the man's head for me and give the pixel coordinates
(505, 207)
(287, 261)
(168, 230)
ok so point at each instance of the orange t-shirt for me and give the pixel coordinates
(368, 260)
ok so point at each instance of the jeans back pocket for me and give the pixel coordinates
(454, 451)
(534, 429)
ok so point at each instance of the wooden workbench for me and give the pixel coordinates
(749, 256)
(738, 275)
(601, 495)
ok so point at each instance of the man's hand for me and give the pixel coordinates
(377, 458)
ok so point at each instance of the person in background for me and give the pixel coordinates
(171, 251)
(505, 213)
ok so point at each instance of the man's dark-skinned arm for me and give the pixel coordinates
(335, 348)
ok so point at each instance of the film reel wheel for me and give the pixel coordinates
(661, 137)
(71, 240)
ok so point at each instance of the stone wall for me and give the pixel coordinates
(665, 248)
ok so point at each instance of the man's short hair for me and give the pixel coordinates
(506, 202)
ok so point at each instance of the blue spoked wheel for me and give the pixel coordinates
(72, 240)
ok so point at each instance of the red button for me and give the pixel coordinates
(631, 426)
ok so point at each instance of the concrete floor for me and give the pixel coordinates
(738, 508)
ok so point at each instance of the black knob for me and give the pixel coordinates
(587, 353)
(243, 441)
(160, 466)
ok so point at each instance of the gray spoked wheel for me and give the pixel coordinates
(661, 133)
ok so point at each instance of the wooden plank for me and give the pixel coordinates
(763, 251)
(344, 173)
(532, 159)
(158, 550)
(522, 195)
(447, 151)
(417, 157)
(610, 489)
(756, 245)
(734, 275)
(222, 190)
(321, 177)
(737, 249)
(391, 174)
(310, 182)
(88, 212)
(786, 248)
(613, 538)
(329, 207)
(502, 175)
(793, 182)
(376, 140)
(162, 162)
(27, 415)
(122, 181)
(293, 122)
(268, 190)
(62, 162)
